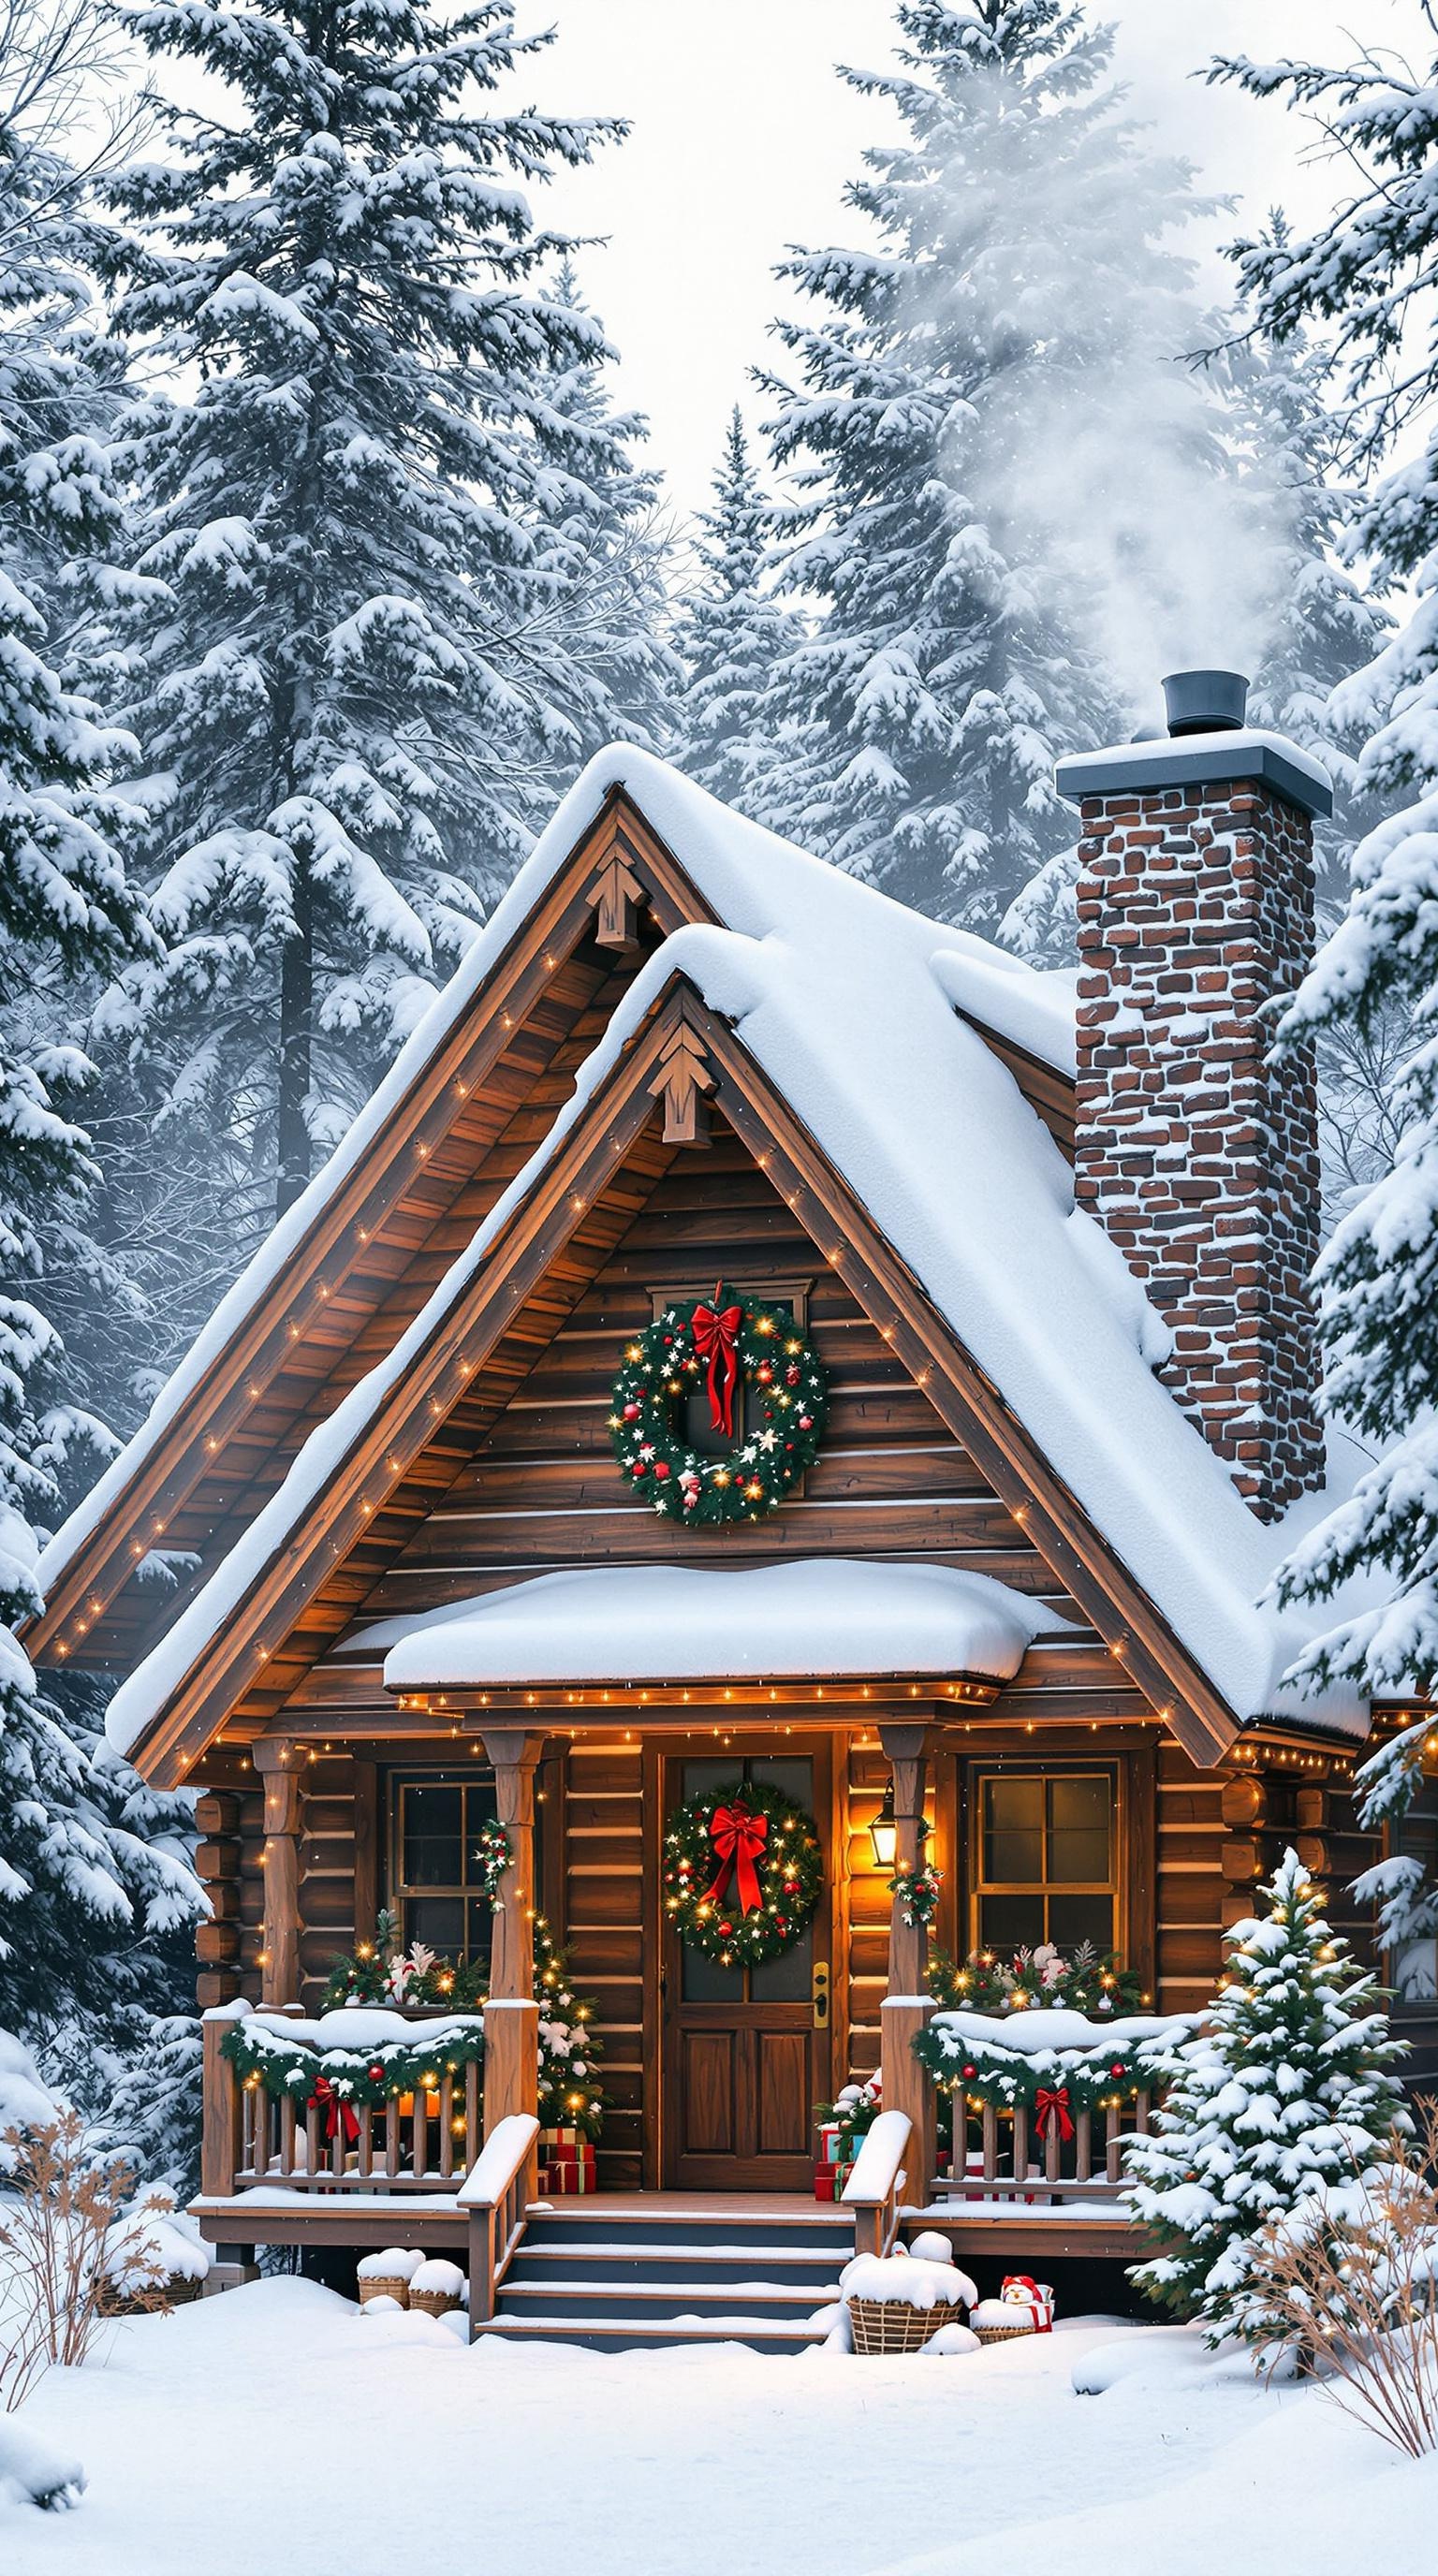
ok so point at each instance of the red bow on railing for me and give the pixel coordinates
(738, 1838)
(1051, 2111)
(716, 1336)
(336, 2109)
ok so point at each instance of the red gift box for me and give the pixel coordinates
(829, 2180)
(572, 2171)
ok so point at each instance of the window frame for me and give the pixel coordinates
(978, 1768)
(398, 1890)
(786, 1290)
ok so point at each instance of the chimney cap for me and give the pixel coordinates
(1205, 701)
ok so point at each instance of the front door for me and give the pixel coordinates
(747, 2050)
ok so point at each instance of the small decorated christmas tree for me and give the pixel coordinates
(1283, 2095)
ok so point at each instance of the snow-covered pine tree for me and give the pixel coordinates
(731, 634)
(93, 1870)
(1284, 2093)
(1363, 277)
(352, 680)
(609, 605)
(935, 440)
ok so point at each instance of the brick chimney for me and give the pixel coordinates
(1198, 1157)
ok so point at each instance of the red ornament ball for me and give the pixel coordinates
(631, 1413)
(640, 1468)
(661, 1466)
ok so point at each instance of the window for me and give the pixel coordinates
(1044, 1859)
(434, 1865)
(696, 1428)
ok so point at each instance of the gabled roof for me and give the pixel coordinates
(856, 1018)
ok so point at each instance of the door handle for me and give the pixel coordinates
(820, 1994)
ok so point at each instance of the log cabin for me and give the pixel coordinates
(385, 1560)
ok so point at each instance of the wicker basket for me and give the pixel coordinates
(384, 2285)
(435, 2303)
(891, 2325)
(1002, 2334)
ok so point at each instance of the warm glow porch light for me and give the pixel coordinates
(884, 1832)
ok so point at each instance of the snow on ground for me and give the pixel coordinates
(272, 2427)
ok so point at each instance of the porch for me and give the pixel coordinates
(614, 2269)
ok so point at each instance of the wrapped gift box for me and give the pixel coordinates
(571, 2171)
(829, 2179)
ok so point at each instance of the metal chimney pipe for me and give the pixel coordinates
(1205, 701)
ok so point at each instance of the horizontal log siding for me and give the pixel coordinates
(542, 1491)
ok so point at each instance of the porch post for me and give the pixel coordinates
(279, 1762)
(511, 2024)
(906, 2007)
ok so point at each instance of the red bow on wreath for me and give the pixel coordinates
(716, 1336)
(738, 1838)
(1051, 2111)
(336, 2109)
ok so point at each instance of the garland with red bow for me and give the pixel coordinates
(743, 1871)
(764, 1393)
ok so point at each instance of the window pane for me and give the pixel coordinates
(1013, 1831)
(705, 1982)
(1010, 1922)
(481, 1928)
(438, 1921)
(787, 1979)
(1081, 1918)
(1080, 1830)
(433, 1836)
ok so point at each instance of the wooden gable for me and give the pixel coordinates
(366, 1509)
(474, 1109)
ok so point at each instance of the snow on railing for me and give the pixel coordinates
(872, 2190)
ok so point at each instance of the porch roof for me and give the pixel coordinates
(692, 1623)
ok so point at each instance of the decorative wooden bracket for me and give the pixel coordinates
(681, 1083)
(615, 898)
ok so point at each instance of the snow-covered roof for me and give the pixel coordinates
(852, 1006)
(691, 1623)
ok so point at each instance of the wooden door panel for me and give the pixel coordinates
(708, 2076)
(785, 2101)
(741, 2071)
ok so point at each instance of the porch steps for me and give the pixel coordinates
(620, 2283)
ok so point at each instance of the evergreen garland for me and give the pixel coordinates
(663, 1365)
(993, 2074)
(367, 2078)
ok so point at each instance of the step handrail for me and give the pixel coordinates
(494, 2196)
(872, 2190)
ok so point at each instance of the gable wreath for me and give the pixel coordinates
(720, 1346)
(743, 1871)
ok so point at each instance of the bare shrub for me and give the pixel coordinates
(56, 2209)
(1348, 2287)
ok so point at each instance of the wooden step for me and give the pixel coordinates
(631, 2334)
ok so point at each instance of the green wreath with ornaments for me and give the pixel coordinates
(743, 1872)
(724, 1346)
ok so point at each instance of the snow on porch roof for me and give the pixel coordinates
(692, 1623)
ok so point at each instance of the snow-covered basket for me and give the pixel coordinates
(388, 2275)
(437, 2287)
(896, 2304)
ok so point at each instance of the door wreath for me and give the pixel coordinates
(743, 1872)
(724, 1344)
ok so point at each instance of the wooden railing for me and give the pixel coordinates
(997, 2157)
(873, 2188)
(419, 2142)
(495, 2193)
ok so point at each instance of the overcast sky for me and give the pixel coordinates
(743, 139)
